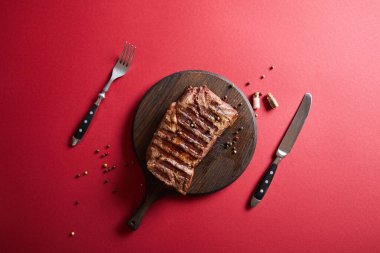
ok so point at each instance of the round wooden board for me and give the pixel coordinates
(220, 167)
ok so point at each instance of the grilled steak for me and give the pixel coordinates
(185, 135)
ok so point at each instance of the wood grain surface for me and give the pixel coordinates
(220, 167)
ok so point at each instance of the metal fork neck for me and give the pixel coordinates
(108, 85)
(102, 95)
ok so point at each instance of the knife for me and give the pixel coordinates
(286, 145)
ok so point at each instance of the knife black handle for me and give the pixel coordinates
(83, 126)
(263, 185)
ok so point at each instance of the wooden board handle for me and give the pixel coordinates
(153, 192)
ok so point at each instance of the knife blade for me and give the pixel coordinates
(283, 150)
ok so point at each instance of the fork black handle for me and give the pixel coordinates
(84, 124)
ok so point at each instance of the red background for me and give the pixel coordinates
(57, 55)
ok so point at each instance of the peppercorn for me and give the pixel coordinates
(236, 138)
(108, 146)
(77, 176)
(104, 165)
(248, 83)
(85, 173)
(192, 125)
(97, 151)
(262, 77)
(240, 104)
(240, 128)
(106, 181)
(225, 97)
(72, 234)
(234, 151)
(230, 86)
(271, 67)
(76, 203)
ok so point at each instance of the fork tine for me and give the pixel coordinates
(122, 53)
(127, 54)
(130, 58)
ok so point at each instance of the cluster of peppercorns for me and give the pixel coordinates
(235, 139)
(105, 170)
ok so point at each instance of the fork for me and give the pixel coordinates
(121, 67)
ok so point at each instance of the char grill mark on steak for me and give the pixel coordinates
(176, 161)
(184, 124)
(167, 173)
(179, 153)
(174, 166)
(178, 146)
(203, 127)
(206, 119)
(193, 144)
(187, 134)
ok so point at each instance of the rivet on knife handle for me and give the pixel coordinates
(263, 184)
